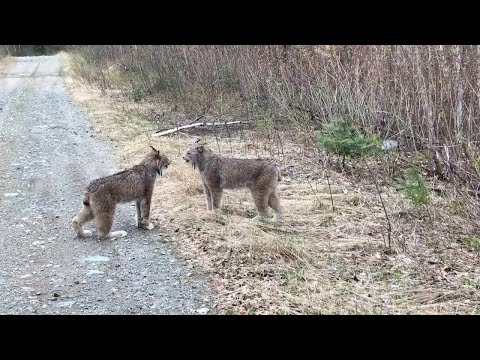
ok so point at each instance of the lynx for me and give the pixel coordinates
(261, 177)
(135, 184)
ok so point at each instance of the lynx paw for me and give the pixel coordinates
(150, 226)
(259, 218)
(145, 226)
(277, 218)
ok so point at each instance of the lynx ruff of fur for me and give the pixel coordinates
(102, 195)
(261, 177)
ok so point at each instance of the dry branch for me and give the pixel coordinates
(171, 131)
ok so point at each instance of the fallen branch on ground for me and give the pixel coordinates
(171, 131)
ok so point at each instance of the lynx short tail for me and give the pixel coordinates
(86, 199)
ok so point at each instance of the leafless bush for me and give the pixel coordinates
(8, 49)
(427, 97)
(26, 50)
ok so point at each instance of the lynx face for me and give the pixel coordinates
(191, 157)
(161, 161)
(193, 153)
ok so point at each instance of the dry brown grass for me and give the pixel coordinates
(4, 62)
(316, 261)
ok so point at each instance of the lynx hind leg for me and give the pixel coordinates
(105, 222)
(216, 198)
(274, 203)
(83, 216)
(261, 202)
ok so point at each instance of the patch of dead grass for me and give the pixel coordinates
(315, 262)
(4, 63)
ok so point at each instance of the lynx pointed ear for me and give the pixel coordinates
(153, 149)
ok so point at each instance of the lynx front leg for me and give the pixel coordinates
(145, 214)
(208, 196)
(138, 214)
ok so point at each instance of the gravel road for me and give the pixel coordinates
(48, 154)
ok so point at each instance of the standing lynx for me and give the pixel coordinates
(102, 195)
(219, 173)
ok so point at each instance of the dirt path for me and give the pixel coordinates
(48, 154)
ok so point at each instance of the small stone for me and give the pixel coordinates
(94, 272)
(203, 311)
(96, 258)
(62, 304)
